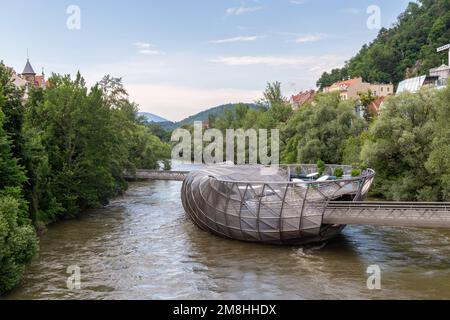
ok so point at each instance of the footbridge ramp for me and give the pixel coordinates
(158, 175)
(398, 214)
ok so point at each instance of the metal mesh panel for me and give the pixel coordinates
(245, 203)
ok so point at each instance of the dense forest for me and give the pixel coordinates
(407, 49)
(63, 150)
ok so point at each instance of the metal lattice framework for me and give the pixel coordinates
(159, 175)
(401, 214)
(258, 204)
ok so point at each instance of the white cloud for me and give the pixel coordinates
(148, 51)
(297, 2)
(142, 45)
(311, 38)
(277, 61)
(178, 102)
(242, 10)
(238, 39)
(176, 85)
(145, 48)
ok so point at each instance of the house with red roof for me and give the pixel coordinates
(376, 107)
(28, 78)
(349, 89)
(302, 98)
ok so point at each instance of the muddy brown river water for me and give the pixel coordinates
(142, 246)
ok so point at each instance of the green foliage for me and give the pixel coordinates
(13, 110)
(366, 99)
(157, 130)
(147, 150)
(209, 115)
(438, 162)
(272, 94)
(408, 147)
(321, 167)
(18, 243)
(89, 138)
(320, 131)
(338, 173)
(352, 148)
(167, 165)
(62, 151)
(355, 173)
(410, 45)
(327, 79)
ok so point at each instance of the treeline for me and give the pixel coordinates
(63, 150)
(410, 45)
(408, 144)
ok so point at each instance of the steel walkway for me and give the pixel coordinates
(158, 175)
(400, 214)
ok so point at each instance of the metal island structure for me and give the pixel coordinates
(294, 204)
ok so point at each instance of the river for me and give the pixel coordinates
(142, 246)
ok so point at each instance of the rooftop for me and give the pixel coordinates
(303, 97)
(28, 70)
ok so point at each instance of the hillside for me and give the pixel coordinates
(405, 50)
(203, 116)
(150, 117)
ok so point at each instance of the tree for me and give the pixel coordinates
(320, 131)
(272, 94)
(438, 163)
(365, 100)
(63, 150)
(13, 110)
(18, 243)
(410, 45)
(408, 145)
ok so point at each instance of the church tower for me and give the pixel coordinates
(28, 73)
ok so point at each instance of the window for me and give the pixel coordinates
(387, 89)
(382, 89)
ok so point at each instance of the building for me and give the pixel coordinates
(28, 78)
(350, 89)
(442, 73)
(302, 98)
(31, 77)
(437, 78)
(376, 107)
(414, 84)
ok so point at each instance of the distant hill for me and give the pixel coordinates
(406, 50)
(153, 117)
(203, 116)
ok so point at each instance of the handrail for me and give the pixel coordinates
(368, 173)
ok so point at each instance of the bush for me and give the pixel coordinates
(321, 167)
(167, 165)
(338, 173)
(18, 243)
(355, 173)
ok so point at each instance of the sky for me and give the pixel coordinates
(179, 57)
